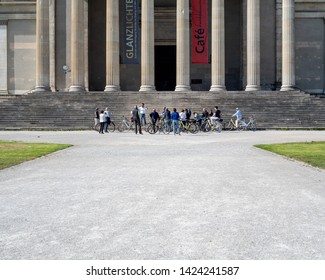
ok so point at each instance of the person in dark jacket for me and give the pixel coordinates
(136, 119)
(96, 117)
(154, 118)
(175, 118)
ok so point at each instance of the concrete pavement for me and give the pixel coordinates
(126, 196)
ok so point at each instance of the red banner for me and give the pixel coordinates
(200, 31)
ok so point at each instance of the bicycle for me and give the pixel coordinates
(166, 126)
(125, 125)
(242, 125)
(110, 127)
(231, 125)
(153, 128)
(188, 126)
(207, 125)
(250, 125)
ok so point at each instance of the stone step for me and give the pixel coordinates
(64, 110)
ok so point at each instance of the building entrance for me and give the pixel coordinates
(165, 68)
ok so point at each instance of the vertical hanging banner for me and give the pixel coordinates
(130, 32)
(200, 31)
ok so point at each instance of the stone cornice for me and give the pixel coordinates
(17, 10)
(17, 7)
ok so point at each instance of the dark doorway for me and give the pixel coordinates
(165, 68)
(97, 45)
(233, 39)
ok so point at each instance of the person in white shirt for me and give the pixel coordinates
(102, 121)
(182, 116)
(238, 115)
(107, 116)
(216, 115)
(142, 110)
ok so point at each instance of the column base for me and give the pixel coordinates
(252, 88)
(183, 88)
(41, 89)
(218, 88)
(53, 89)
(112, 88)
(287, 88)
(76, 89)
(147, 88)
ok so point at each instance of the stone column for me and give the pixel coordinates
(42, 46)
(147, 46)
(288, 45)
(218, 46)
(3, 57)
(253, 45)
(86, 45)
(77, 46)
(52, 43)
(112, 46)
(182, 46)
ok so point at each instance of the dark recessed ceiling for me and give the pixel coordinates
(165, 3)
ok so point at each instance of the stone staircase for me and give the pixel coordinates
(66, 110)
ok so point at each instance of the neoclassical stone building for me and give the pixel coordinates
(147, 45)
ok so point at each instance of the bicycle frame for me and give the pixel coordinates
(250, 125)
(216, 126)
(125, 125)
(231, 125)
(189, 126)
(110, 127)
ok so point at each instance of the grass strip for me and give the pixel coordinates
(312, 153)
(13, 153)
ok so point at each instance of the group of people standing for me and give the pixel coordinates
(102, 117)
(171, 118)
(138, 116)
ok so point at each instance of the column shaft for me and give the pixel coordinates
(218, 46)
(86, 45)
(52, 43)
(288, 45)
(147, 46)
(3, 57)
(183, 46)
(42, 46)
(112, 46)
(253, 45)
(77, 46)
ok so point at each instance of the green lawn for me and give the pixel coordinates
(312, 153)
(13, 153)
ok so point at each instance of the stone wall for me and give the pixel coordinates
(310, 45)
(17, 43)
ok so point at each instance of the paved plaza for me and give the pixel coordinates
(127, 196)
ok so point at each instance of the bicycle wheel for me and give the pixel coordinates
(111, 127)
(193, 128)
(241, 126)
(152, 129)
(184, 128)
(230, 126)
(167, 128)
(121, 127)
(252, 127)
(180, 128)
(146, 128)
(97, 127)
(206, 127)
(218, 127)
(160, 128)
(131, 127)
